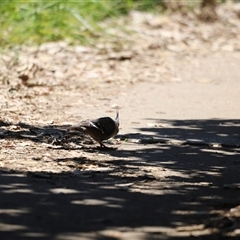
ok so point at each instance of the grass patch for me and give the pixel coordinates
(34, 22)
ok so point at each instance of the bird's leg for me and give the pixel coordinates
(104, 147)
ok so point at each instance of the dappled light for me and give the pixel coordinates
(95, 191)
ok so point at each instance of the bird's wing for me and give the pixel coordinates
(93, 124)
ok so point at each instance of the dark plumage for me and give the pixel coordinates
(99, 129)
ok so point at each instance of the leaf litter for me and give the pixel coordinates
(43, 85)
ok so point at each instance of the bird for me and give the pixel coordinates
(99, 129)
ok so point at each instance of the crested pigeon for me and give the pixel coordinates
(99, 129)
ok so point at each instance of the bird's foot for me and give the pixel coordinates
(104, 147)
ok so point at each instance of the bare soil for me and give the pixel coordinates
(175, 172)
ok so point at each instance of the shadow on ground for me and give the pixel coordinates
(184, 184)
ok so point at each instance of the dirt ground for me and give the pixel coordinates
(175, 172)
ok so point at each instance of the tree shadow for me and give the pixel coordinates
(52, 134)
(214, 131)
(183, 184)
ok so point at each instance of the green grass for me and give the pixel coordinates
(33, 22)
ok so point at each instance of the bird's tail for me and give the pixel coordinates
(76, 127)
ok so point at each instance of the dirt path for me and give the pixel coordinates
(175, 173)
